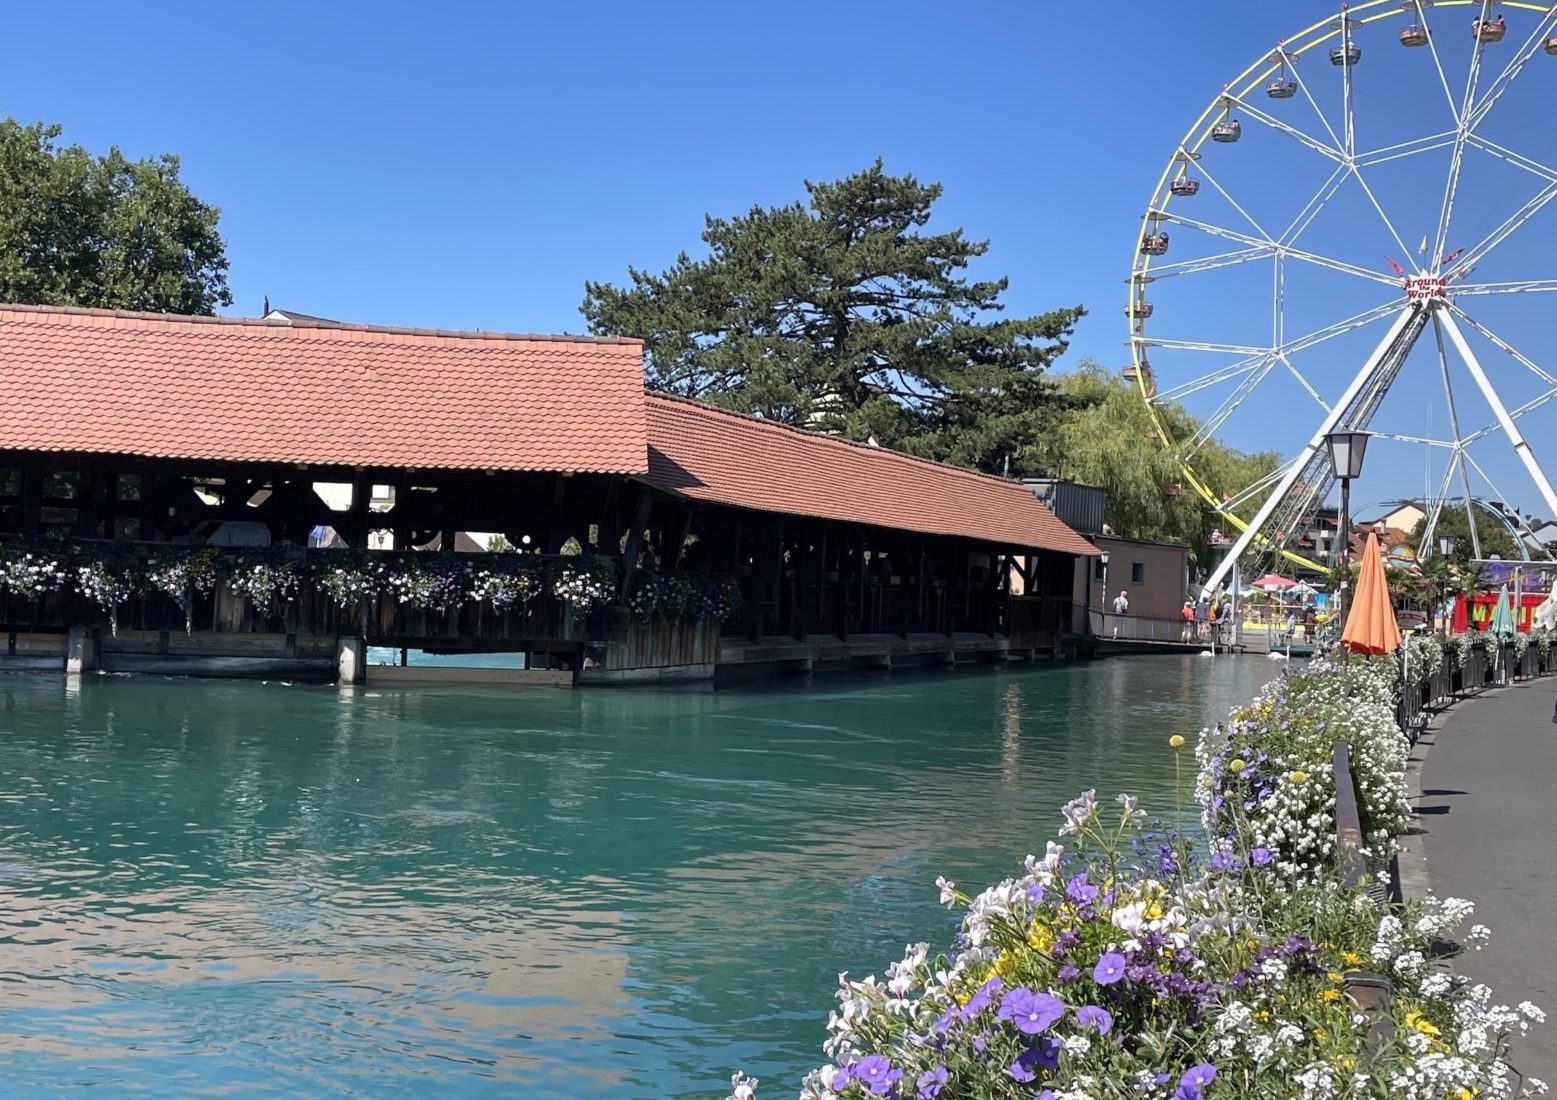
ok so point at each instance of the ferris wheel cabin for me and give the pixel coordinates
(1414, 35)
(1489, 30)
(1345, 56)
(1184, 187)
(1227, 131)
(1281, 89)
(1551, 45)
(1138, 311)
(1154, 245)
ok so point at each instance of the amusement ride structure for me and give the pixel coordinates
(1286, 223)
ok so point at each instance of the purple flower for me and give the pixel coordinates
(1080, 891)
(1031, 1013)
(1109, 969)
(1046, 1094)
(982, 998)
(1035, 893)
(1022, 1068)
(1198, 1077)
(1259, 857)
(931, 1082)
(1068, 973)
(1047, 1052)
(875, 1073)
(1224, 861)
(1094, 1017)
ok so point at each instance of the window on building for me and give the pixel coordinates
(1138, 572)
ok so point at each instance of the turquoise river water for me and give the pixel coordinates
(243, 889)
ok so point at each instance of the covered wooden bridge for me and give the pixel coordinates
(196, 494)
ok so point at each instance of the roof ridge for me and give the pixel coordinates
(824, 437)
(303, 325)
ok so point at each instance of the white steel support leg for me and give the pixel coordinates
(1510, 429)
(1364, 377)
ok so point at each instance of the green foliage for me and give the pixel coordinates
(841, 314)
(84, 230)
(1495, 539)
(1105, 437)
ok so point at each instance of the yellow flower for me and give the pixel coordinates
(1417, 1022)
(1176, 741)
(1329, 996)
(1334, 977)
(1236, 766)
(1351, 958)
(1298, 777)
(1039, 938)
(1005, 963)
(1465, 1094)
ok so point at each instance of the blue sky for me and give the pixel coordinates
(470, 165)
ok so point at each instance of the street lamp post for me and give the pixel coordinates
(1445, 551)
(1346, 450)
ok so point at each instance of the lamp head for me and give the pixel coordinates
(1346, 449)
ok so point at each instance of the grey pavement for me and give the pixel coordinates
(1487, 827)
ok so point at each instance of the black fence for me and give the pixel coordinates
(1488, 664)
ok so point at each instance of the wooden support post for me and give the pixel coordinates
(641, 510)
(361, 496)
(32, 496)
(678, 544)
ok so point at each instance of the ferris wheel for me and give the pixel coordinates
(1359, 233)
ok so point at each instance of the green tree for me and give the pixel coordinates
(83, 230)
(1494, 537)
(842, 314)
(1104, 435)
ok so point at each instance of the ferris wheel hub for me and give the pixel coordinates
(1423, 287)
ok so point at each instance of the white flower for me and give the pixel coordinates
(1078, 811)
(742, 1087)
(948, 890)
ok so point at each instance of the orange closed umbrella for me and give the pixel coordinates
(1370, 620)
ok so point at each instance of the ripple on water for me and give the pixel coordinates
(257, 890)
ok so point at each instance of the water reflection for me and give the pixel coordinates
(267, 889)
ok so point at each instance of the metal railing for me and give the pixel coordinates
(1141, 628)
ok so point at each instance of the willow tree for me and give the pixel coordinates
(1106, 437)
(844, 313)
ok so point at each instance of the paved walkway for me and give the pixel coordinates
(1487, 821)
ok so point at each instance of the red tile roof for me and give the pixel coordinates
(713, 455)
(245, 390)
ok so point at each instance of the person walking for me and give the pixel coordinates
(1121, 609)
(1187, 619)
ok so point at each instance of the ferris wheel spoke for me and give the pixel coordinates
(1316, 144)
(1463, 130)
(1236, 205)
(1479, 251)
(1418, 440)
(1198, 345)
(1248, 493)
(1543, 30)
(1519, 160)
(1206, 432)
(1302, 381)
(1515, 413)
(1210, 263)
(1280, 249)
(1311, 209)
(1443, 77)
(1214, 378)
(1510, 429)
(1414, 147)
(1389, 225)
(1504, 346)
(1526, 286)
